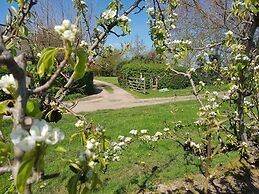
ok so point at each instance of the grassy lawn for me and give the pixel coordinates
(157, 94)
(113, 80)
(135, 170)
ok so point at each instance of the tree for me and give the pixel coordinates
(31, 135)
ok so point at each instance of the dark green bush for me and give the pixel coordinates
(85, 85)
(167, 79)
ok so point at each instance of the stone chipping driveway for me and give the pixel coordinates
(118, 99)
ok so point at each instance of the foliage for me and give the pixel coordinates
(166, 78)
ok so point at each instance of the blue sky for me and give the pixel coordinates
(138, 25)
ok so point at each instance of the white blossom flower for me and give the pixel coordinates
(79, 123)
(128, 139)
(83, 43)
(121, 144)
(39, 130)
(54, 136)
(68, 35)
(143, 131)
(108, 14)
(59, 29)
(117, 148)
(192, 69)
(133, 132)
(89, 145)
(27, 144)
(157, 134)
(166, 129)
(7, 83)
(150, 10)
(229, 33)
(121, 137)
(67, 24)
(88, 153)
(91, 164)
(202, 83)
(256, 67)
(67, 30)
(38, 55)
(116, 158)
(18, 134)
(215, 93)
(124, 18)
(225, 98)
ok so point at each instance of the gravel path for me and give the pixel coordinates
(119, 98)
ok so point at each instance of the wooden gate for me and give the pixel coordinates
(137, 84)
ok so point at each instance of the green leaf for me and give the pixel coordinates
(47, 60)
(80, 67)
(72, 184)
(33, 108)
(85, 190)
(95, 181)
(25, 171)
(3, 105)
(61, 149)
(4, 151)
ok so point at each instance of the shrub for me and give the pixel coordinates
(167, 79)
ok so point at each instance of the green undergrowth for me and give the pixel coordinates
(142, 166)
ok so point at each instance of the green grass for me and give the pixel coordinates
(139, 159)
(113, 80)
(73, 96)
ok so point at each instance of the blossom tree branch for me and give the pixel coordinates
(97, 42)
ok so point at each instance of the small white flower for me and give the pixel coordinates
(54, 136)
(256, 67)
(88, 153)
(38, 55)
(124, 18)
(117, 148)
(229, 33)
(215, 93)
(27, 144)
(116, 158)
(91, 164)
(67, 24)
(7, 83)
(166, 129)
(79, 123)
(69, 35)
(202, 83)
(18, 134)
(59, 29)
(121, 144)
(133, 132)
(89, 145)
(157, 134)
(150, 10)
(192, 69)
(83, 43)
(121, 137)
(128, 139)
(39, 130)
(108, 14)
(225, 98)
(143, 131)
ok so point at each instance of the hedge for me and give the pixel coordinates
(167, 79)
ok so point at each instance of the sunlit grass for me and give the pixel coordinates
(142, 165)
